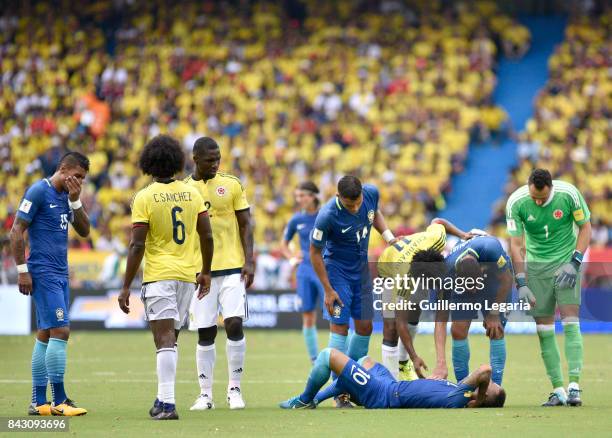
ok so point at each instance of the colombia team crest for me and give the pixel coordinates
(221, 191)
(557, 214)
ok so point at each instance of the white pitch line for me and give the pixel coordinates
(256, 382)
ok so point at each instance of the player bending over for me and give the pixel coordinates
(167, 217)
(484, 264)
(46, 209)
(371, 385)
(425, 248)
(309, 289)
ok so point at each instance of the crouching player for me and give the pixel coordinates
(371, 385)
(482, 277)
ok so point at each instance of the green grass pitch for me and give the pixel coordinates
(113, 375)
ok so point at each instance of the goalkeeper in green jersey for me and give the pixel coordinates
(550, 223)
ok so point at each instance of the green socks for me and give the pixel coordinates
(550, 354)
(573, 350)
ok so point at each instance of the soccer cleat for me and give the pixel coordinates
(157, 408)
(234, 398)
(168, 413)
(554, 400)
(203, 403)
(296, 403)
(67, 409)
(43, 410)
(573, 397)
(343, 402)
(406, 371)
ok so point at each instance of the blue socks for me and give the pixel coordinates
(339, 343)
(39, 374)
(312, 344)
(461, 358)
(55, 360)
(358, 347)
(318, 376)
(497, 355)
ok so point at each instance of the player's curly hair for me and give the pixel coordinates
(540, 178)
(162, 157)
(427, 263)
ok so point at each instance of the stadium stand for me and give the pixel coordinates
(570, 132)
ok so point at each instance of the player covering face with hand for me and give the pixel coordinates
(46, 209)
(371, 385)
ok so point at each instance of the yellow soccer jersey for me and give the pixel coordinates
(172, 211)
(223, 195)
(397, 257)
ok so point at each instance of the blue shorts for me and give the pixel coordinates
(51, 298)
(368, 388)
(487, 296)
(309, 290)
(356, 295)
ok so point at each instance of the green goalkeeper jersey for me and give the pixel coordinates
(550, 229)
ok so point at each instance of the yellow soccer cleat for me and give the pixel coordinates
(67, 409)
(43, 410)
(406, 371)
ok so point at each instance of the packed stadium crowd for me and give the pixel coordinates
(390, 93)
(571, 131)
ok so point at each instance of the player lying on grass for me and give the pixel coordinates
(483, 263)
(371, 385)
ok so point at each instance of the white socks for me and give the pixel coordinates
(166, 374)
(403, 354)
(235, 361)
(205, 359)
(390, 359)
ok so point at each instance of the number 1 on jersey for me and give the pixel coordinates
(363, 235)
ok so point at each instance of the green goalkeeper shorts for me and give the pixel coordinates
(547, 295)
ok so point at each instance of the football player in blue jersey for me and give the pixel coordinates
(482, 278)
(372, 386)
(339, 256)
(46, 209)
(309, 289)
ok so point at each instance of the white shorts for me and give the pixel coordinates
(167, 299)
(227, 296)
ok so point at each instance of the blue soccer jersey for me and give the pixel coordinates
(344, 236)
(429, 394)
(48, 213)
(309, 288)
(302, 224)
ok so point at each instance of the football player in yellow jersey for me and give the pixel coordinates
(166, 216)
(232, 273)
(425, 248)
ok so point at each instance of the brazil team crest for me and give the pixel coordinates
(59, 314)
(371, 216)
(557, 214)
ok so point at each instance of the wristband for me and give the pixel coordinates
(76, 204)
(22, 269)
(388, 235)
(520, 280)
(577, 259)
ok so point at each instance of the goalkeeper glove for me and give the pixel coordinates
(566, 275)
(524, 292)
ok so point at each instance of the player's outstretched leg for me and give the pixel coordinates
(552, 362)
(574, 355)
(319, 374)
(165, 339)
(55, 361)
(40, 405)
